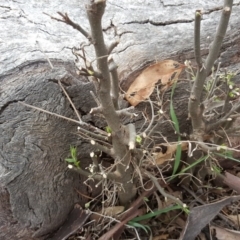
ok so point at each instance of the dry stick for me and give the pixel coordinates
(74, 108)
(68, 21)
(93, 135)
(134, 206)
(44, 54)
(152, 119)
(160, 189)
(96, 176)
(50, 113)
(95, 98)
(119, 225)
(86, 134)
(69, 99)
(103, 148)
(227, 118)
(125, 112)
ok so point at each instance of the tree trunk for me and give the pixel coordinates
(36, 188)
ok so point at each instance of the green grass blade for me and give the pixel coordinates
(138, 225)
(172, 112)
(176, 127)
(156, 213)
(177, 157)
(228, 157)
(189, 167)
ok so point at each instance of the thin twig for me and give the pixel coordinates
(46, 56)
(50, 113)
(68, 21)
(70, 101)
(113, 45)
(161, 190)
(215, 79)
(152, 118)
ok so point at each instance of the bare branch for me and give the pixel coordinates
(161, 190)
(124, 112)
(221, 31)
(114, 82)
(132, 136)
(197, 89)
(95, 12)
(102, 148)
(67, 20)
(197, 49)
(113, 45)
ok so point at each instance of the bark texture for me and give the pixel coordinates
(37, 191)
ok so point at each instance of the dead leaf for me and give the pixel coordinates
(235, 219)
(164, 73)
(109, 211)
(167, 152)
(119, 225)
(199, 217)
(161, 237)
(232, 181)
(223, 234)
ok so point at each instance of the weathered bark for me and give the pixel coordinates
(37, 188)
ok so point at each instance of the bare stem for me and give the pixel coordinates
(197, 49)
(197, 89)
(95, 11)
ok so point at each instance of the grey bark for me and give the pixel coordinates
(37, 190)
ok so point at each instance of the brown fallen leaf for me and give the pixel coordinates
(164, 73)
(232, 181)
(161, 237)
(109, 211)
(235, 219)
(168, 153)
(223, 234)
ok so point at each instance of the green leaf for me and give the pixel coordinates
(189, 167)
(138, 139)
(172, 112)
(73, 151)
(108, 129)
(87, 205)
(70, 160)
(177, 157)
(176, 126)
(229, 157)
(77, 164)
(156, 213)
(144, 227)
